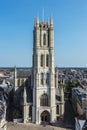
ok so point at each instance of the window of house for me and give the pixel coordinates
(44, 100)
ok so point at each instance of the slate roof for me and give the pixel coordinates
(24, 72)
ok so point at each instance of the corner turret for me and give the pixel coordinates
(36, 24)
(15, 78)
(25, 96)
(51, 22)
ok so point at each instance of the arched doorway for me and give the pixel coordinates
(45, 116)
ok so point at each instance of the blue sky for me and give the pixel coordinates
(16, 31)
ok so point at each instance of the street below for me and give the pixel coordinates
(69, 115)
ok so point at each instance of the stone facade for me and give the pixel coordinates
(42, 105)
(43, 71)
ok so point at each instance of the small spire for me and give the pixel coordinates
(51, 21)
(36, 21)
(43, 15)
(15, 67)
(15, 73)
(25, 96)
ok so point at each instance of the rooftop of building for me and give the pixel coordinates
(24, 72)
(80, 90)
(82, 122)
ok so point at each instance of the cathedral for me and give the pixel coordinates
(37, 96)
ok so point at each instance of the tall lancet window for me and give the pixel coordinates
(47, 60)
(42, 78)
(47, 79)
(44, 39)
(44, 100)
(42, 60)
(57, 109)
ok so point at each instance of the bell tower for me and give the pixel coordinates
(43, 74)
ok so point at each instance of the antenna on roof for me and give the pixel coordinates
(43, 15)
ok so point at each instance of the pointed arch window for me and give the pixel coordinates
(44, 39)
(42, 60)
(44, 100)
(42, 78)
(47, 60)
(47, 78)
(57, 109)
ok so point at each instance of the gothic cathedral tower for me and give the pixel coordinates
(44, 106)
